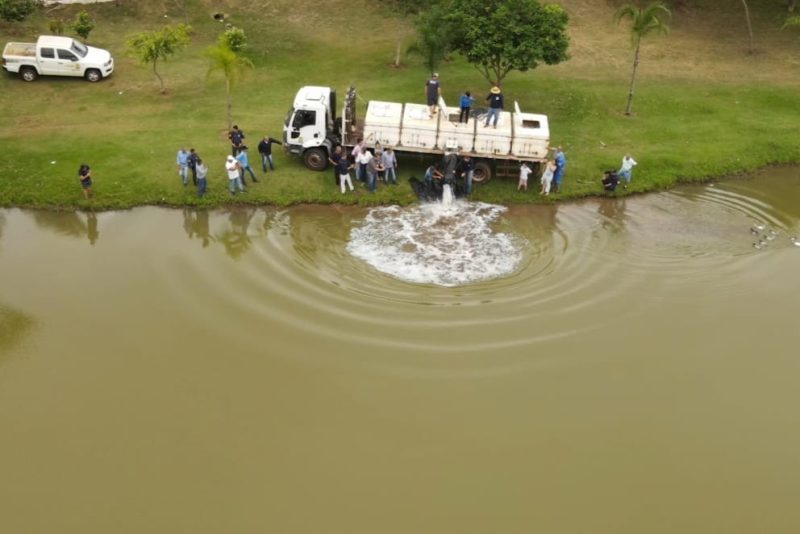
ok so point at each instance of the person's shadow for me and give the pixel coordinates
(91, 228)
(195, 224)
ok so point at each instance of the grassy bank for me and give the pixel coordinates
(703, 107)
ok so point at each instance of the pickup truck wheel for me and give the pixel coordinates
(315, 159)
(93, 75)
(482, 172)
(28, 74)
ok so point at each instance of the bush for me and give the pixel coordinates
(56, 26)
(17, 10)
(234, 38)
(83, 24)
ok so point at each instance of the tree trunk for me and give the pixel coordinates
(160, 79)
(749, 26)
(229, 105)
(633, 79)
(397, 51)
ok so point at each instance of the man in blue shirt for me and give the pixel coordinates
(244, 164)
(558, 175)
(465, 103)
(182, 159)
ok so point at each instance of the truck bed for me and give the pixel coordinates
(20, 50)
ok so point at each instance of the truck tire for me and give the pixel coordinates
(93, 75)
(315, 159)
(482, 172)
(28, 74)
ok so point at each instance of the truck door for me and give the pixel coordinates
(67, 64)
(305, 131)
(48, 63)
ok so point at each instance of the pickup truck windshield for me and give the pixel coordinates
(79, 48)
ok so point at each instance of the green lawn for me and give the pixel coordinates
(685, 128)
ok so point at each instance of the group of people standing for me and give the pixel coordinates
(552, 175)
(370, 168)
(236, 165)
(494, 101)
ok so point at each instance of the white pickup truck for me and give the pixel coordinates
(57, 56)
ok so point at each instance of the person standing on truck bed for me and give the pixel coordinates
(432, 91)
(465, 102)
(495, 100)
(236, 136)
(265, 149)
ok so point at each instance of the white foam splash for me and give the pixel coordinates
(434, 243)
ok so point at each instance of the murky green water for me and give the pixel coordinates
(241, 371)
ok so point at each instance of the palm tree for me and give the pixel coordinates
(644, 21)
(231, 65)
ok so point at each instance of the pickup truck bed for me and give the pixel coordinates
(20, 49)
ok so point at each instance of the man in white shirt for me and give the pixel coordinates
(626, 169)
(234, 180)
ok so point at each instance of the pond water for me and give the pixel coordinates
(615, 365)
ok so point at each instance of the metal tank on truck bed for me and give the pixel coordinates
(312, 130)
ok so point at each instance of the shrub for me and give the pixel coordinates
(234, 38)
(83, 24)
(17, 10)
(56, 26)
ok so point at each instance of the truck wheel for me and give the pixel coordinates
(482, 172)
(93, 75)
(315, 159)
(28, 74)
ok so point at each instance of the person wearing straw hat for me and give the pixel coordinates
(495, 100)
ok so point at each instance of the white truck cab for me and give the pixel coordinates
(57, 56)
(309, 129)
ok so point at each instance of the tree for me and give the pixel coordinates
(17, 10)
(234, 38)
(498, 36)
(434, 37)
(231, 65)
(405, 8)
(750, 48)
(150, 47)
(83, 24)
(644, 22)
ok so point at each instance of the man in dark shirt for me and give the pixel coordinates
(610, 180)
(237, 137)
(265, 149)
(432, 91)
(465, 168)
(495, 100)
(191, 161)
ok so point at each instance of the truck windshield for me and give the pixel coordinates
(79, 48)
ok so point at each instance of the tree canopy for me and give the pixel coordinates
(150, 47)
(498, 36)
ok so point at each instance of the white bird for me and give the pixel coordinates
(759, 227)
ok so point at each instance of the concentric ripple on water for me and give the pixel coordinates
(434, 243)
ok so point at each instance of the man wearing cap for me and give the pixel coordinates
(234, 181)
(495, 100)
(432, 91)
